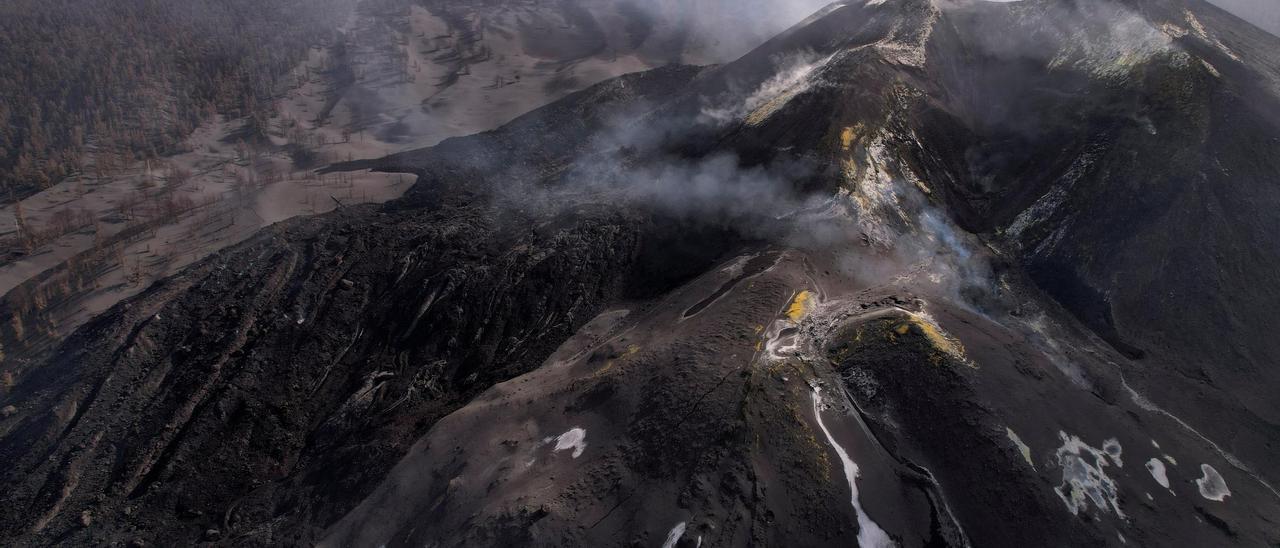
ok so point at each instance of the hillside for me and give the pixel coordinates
(909, 273)
(91, 84)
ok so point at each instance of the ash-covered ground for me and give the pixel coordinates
(912, 273)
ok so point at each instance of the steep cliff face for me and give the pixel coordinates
(914, 273)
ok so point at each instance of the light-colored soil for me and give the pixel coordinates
(402, 98)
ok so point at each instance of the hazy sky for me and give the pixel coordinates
(1263, 13)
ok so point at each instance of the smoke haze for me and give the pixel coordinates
(1264, 14)
(726, 29)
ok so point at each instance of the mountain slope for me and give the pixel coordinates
(916, 273)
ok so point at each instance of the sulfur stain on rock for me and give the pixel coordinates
(846, 138)
(937, 338)
(800, 306)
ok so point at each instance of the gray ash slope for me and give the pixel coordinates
(914, 272)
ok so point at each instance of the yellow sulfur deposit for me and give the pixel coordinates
(936, 337)
(849, 135)
(800, 306)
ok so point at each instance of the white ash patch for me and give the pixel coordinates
(1084, 476)
(1211, 485)
(575, 439)
(1156, 467)
(674, 535)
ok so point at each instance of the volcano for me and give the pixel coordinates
(911, 273)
